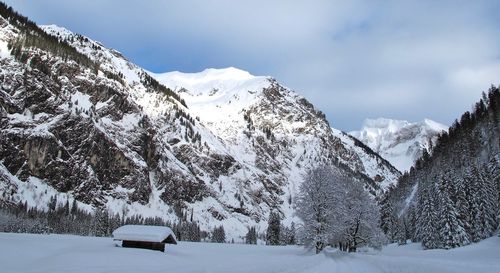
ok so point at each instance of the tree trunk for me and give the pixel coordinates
(354, 244)
(319, 247)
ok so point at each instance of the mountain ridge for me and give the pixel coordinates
(108, 134)
(399, 141)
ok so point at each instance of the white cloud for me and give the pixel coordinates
(470, 78)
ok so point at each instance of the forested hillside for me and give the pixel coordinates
(451, 197)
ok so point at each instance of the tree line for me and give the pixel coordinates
(68, 218)
(451, 197)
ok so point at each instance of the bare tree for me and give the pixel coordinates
(361, 217)
(336, 209)
(314, 207)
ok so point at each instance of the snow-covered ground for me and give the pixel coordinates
(65, 253)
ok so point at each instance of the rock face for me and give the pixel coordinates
(223, 145)
(399, 141)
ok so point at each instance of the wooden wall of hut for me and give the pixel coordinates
(146, 245)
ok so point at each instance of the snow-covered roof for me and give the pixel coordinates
(144, 233)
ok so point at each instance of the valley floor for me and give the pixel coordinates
(66, 253)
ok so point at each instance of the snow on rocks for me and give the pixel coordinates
(217, 96)
(399, 141)
(372, 163)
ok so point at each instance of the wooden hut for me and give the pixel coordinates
(142, 236)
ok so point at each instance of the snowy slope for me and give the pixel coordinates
(217, 96)
(399, 141)
(373, 164)
(58, 253)
(232, 102)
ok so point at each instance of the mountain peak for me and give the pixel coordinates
(54, 28)
(436, 126)
(228, 73)
(399, 141)
(212, 85)
(386, 124)
(208, 75)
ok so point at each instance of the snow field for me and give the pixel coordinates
(66, 253)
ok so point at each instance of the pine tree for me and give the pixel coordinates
(400, 235)
(451, 229)
(463, 204)
(273, 229)
(483, 206)
(219, 235)
(101, 222)
(291, 235)
(411, 228)
(251, 236)
(427, 229)
(74, 207)
(53, 203)
(65, 209)
(389, 223)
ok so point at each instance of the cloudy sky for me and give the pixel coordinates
(353, 59)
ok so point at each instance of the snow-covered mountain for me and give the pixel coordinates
(80, 121)
(235, 104)
(372, 161)
(399, 141)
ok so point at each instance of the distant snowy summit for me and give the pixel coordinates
(217, 96)
(399, 141)
(206, 79)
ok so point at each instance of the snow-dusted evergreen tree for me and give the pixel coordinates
(101, 222)
(52, 203)
(463, 203)
(74, 207)
(219, 235)
(288, 235)
(251, 236)
(401, 233)
(427, 224)
(273, 229)
(484, 206)
(411, 223)
(185, 231)
(388, 219)
(451, 229)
